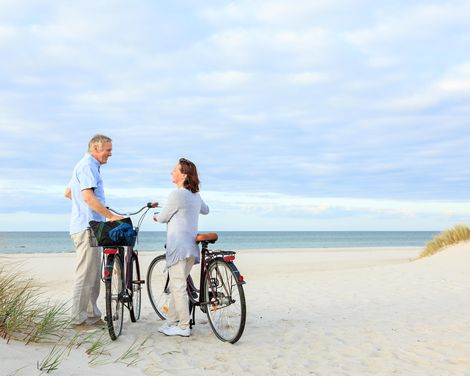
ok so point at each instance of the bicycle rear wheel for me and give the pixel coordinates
(226, 306)
(134, 308)
(114, 290)
(158, 286)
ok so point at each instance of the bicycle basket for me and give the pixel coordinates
(116, 233)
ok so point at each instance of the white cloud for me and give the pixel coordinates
(7, 33)
(327, 98)
(228, 80)
(454, 85)
(307, 78)
(415, 22)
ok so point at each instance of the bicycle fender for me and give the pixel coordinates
(108, 268)
(240, 279)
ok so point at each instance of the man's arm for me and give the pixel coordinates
(68, 193)
(97, 206)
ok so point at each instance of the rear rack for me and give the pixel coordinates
(220, 252)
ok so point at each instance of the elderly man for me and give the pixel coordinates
(88, 203)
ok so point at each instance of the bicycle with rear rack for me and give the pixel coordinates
(121, 274)
(220, 295)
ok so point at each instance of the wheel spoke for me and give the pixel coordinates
(114, 306)
(157, 286)
(226, 311)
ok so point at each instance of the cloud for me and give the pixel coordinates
(307, 78)
(415, 21)
(228, 80)
(307, 101)
(453, 87)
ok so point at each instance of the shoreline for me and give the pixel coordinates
(278, 249)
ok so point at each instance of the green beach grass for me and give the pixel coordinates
(459, 233)
(24, 315)
(27, 317)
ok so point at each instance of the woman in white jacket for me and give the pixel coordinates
(181, 214)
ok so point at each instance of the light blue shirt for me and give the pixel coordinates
(181, 213)
(86, 175)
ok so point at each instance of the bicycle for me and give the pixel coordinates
(220, 294)
(122, 281)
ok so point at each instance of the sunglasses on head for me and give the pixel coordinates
(184, 160)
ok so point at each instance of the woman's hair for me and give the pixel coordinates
(191, 182)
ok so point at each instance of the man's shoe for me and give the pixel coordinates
(96, 321)
(82, 327)
(99, 322)
(176, 331)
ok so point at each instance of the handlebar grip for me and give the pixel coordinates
(152, 204)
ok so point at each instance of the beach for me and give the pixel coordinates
(361, 311)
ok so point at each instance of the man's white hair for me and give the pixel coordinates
(98, 139)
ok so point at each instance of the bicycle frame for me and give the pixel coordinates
(123, 286)
(220, 296)
(207, 256)
(107, 266)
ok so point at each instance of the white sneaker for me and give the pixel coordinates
(166, 325)
(176, 331)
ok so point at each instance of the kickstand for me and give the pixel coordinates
(192, 321)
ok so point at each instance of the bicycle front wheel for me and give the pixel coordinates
(225, 301)
(114, 291)
(134, 308)
(158, 286)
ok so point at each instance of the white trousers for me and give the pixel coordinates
(87, 280)
(179, 304)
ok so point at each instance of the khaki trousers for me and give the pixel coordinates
(179, 304)
(87, 280)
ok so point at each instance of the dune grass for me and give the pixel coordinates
(24, 315)
(457, 234)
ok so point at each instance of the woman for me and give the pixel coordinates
(181, 214)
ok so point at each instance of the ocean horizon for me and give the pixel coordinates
(60, 242)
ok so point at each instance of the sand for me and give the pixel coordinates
(309, 312)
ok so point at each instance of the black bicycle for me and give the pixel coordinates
(220, 294)
(121, 276)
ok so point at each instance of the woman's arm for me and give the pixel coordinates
(204, 207)
(169, 210)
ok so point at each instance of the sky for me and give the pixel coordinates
(300, 115)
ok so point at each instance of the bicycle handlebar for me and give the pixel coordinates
(147, 206)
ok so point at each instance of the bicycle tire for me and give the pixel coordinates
(157, 286)
(135, 304)
(114, 290)
(225, 297)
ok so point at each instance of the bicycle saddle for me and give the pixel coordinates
(211, 237)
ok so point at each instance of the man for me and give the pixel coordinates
(88, 203)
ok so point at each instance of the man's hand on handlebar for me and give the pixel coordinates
(152, 204)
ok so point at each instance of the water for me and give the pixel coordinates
(53, 242)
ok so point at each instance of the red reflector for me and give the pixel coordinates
(107, 273)
(110, 251)
(241, 278)
(229, 258)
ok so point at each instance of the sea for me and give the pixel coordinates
(60, 242)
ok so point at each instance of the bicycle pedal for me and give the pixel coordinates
(139, 282)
